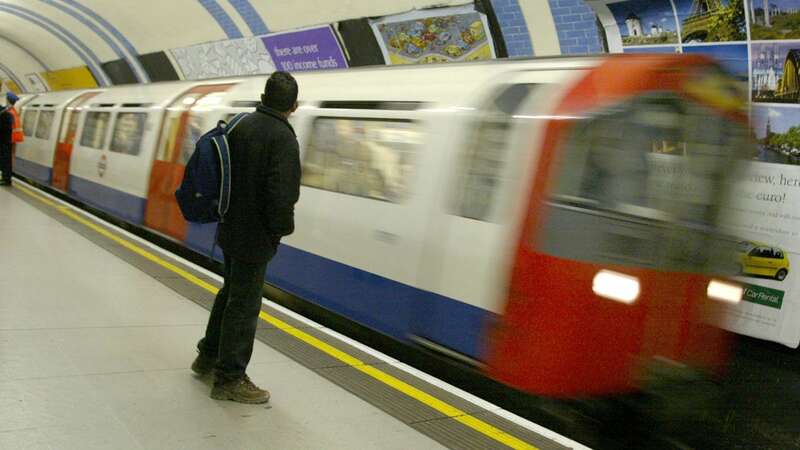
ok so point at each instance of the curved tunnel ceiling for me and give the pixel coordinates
(41, 35)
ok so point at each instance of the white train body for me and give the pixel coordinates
(414, 239)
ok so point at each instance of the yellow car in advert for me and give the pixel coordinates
(763, 260)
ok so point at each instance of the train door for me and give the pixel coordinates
(468, 246)
(358, 172)
(181, 128)
(66, 137)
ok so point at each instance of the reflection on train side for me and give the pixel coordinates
(372, 158)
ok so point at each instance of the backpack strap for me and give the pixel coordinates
(223, 151)
(235, 121)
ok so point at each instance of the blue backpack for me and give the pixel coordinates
(205, 191)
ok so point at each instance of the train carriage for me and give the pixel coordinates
(115, 146)
(41, 117)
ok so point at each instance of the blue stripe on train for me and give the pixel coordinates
(382, 304)
(32, 170)
(123, 205)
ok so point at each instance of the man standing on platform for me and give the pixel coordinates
(265, 185)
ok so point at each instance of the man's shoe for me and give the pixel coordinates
(242, 390)
(203, 365)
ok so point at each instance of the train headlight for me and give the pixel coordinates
(724, 292)
(616, 286)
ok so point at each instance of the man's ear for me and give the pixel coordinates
(294, 108)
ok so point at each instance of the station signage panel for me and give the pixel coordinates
(303, 50)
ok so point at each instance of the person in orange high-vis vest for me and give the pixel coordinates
(17, 135)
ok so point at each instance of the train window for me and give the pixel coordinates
(245, 103)
(370, 158)
(128, 132)
(29, 121)
(641, 183)
(483, 159)
(94, 129)
(45, 124)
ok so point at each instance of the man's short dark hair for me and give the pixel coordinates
(280, 92)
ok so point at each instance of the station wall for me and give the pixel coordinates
(113, 40)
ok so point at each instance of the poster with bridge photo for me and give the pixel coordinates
(774, 19)
(775, 72)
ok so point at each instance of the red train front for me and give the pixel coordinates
(620, 264)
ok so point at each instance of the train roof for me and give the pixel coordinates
(434, 83)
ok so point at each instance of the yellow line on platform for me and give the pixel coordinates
(379, 375)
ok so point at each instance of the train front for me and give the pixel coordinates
(620, 270)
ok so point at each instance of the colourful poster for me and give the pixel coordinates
(777, 131)
(766, 219)
(711, 20)
(765, 216)
(309, 49)
(733, 57)
(645, 22)
(658, 22)
(774, 19)
(776, 72)
(435, 36)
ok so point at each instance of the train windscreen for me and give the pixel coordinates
(642, 184)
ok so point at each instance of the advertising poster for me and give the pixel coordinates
(733, 57)
(309, 49)
(10, 85)
(645, 22)
(235, 57)
(767, 220)
(776, 72)
(766, 215)
(67, 79)
(711, 20)
(434, 36)
(774, 19)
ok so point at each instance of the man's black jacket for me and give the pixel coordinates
(265, 185)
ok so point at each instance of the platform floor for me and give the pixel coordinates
(94, 354)
(95, 348)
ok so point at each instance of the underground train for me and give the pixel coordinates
(554, 221)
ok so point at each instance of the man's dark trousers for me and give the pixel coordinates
(5, 161)
(234, 318)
